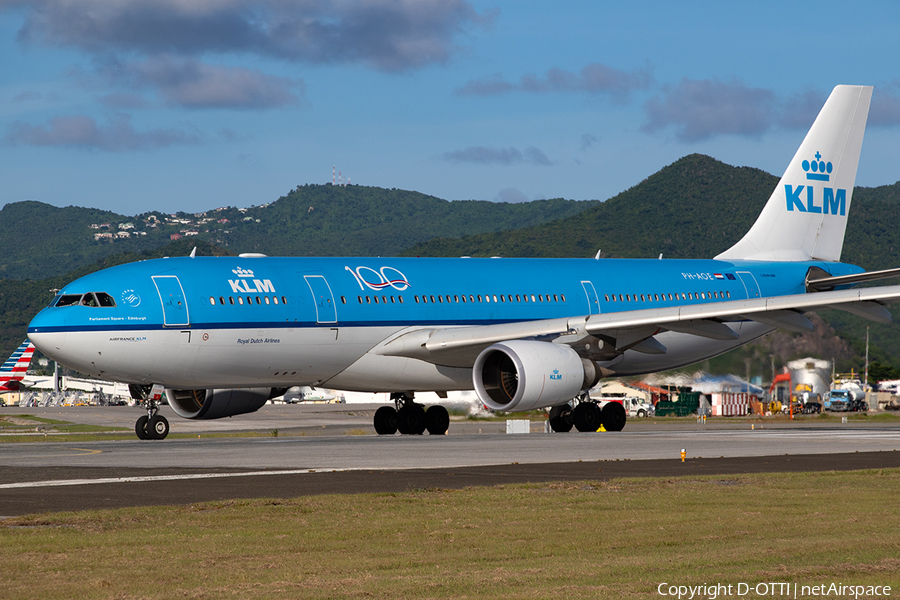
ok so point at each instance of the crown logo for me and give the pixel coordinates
(242, 272)
(818, 169)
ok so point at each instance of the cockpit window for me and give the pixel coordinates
(93, 299)
(89, 300)
(105, 299)
(68, 300)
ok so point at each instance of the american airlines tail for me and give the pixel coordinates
(806, 216)
(13, 370)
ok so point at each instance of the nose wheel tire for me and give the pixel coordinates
(140, 427)
(151, 428)
(158, 428)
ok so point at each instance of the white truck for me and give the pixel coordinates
(634, 406)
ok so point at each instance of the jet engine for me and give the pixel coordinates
(522, 375)
(215, 404)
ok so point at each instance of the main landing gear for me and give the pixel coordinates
(587, 415)
(152, 426)
(410, 418)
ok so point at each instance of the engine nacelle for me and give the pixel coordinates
(215, 404)
(522, 375)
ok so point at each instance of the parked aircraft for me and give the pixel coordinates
(223, 335)
(12, 373)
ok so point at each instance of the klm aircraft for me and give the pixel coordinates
(224, 335)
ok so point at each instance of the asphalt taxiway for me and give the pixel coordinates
(326, 453)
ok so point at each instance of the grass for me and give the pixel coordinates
(612, 539)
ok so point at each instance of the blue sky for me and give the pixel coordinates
(138, 105)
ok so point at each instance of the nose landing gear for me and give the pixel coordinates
(152, 426)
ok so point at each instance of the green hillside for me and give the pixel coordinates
(696, 207)
(693, 208)
(41, 240)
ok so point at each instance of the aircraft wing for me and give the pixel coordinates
(634, 329)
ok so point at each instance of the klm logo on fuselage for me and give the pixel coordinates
(243, 285)
(804, 198)
(258, 286)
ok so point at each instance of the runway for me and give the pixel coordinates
(53, 476)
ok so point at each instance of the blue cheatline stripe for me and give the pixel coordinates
(272, 325)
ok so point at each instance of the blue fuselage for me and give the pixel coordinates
(195, 322)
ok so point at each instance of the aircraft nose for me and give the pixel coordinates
(45, 333)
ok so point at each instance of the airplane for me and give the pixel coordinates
(222, 335)
(12, 373)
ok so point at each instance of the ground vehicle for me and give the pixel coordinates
(637, 407)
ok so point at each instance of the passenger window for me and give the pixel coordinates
(240, 300)
(212, 300)
(344, 300)
(221, 300)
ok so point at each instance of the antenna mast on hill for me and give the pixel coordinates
(332, 174)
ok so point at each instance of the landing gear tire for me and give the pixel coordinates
(140, 427)
(386, 420)
(437, 420)
(561, 418)
(613, 416)
(151, 426)
(411, 419)
(157, 428)
(586, 417)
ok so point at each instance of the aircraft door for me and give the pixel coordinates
(749, 282)
(174, 305)
(323, 298)
(591, 293)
